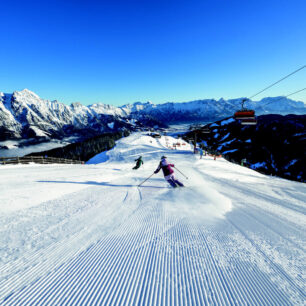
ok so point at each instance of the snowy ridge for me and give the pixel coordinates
(26, 115)
(232, 236)
(210, 109)
(23, 110)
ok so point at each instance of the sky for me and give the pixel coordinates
(119, 52)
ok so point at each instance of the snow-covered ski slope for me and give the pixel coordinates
(87, 235)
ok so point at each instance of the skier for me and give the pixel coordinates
(201, 153)
(168, 172)
(139, 162)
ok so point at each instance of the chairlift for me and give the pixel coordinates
(246, 116)
(205, 130)
(249, 121)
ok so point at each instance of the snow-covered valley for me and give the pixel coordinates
(24, 147)
(88, 235)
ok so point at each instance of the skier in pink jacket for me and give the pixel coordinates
(168, 172)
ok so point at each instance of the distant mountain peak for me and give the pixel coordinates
(76, 104)
(26, 92)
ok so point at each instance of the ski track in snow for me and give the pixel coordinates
(231, 237)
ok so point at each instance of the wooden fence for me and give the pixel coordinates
(37, 160)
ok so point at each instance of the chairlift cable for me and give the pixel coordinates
(247, 117)
(293, 93)
(285, 77)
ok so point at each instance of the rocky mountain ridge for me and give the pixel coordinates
(23, 114)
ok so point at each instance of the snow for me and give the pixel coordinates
(99, 158)
(178, 129)
(224, 137)
(259, 165)
(290, 164)
(214, 124)
(87, 235)
(299, 134)
(225, 144)
(10, 144)
(39, 132)
(228, 121)
(20, 148)
(229, 151)
(111, 125)
(23, 108)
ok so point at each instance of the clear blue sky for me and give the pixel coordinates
(119, 52)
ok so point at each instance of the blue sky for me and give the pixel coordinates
(119, 52)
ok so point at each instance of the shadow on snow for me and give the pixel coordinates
(102, 184)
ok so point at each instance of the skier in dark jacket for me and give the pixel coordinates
(139, 162)
(168, 172)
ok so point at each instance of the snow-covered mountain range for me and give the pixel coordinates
(24, 114)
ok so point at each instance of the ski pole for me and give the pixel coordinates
(146, 179)
(181, 173)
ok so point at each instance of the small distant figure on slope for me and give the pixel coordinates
(201, 153)
(168, 172)
(139, 162)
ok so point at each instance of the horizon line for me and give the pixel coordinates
(149, 101)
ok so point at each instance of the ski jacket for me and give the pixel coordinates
(167, 168)
(139, 161)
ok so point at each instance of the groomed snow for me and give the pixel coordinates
(87, 235)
